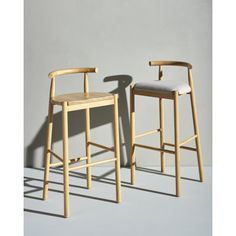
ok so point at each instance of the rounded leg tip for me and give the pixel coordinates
(44, 197)
(177, 195)
(89, 186)
(118, 201)
(66, 214)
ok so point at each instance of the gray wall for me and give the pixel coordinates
(118, 37)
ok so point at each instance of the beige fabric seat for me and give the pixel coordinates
(163, 86)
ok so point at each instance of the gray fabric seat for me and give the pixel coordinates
(163, 86)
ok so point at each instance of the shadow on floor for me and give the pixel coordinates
(76, 120)
(101, 179)
(43, 213)
(157, 172)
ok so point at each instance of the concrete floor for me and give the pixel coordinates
(148, 208)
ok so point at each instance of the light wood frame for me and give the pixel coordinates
(65, 161)
(177, 144)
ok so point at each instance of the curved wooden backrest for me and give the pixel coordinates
(56, 73)
(52, 75)
(170, 63)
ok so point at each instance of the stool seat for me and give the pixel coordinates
(163, 86)
(81, 98)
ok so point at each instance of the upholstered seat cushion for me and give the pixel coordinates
(163, 86)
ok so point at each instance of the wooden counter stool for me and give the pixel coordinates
(164, 89)
(73, 102)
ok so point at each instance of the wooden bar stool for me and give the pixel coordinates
(166, 90)
(73, 102)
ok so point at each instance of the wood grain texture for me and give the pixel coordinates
(154, 148)
(81, 98)
(92, 164)
(88, 149)
(132, 136)
(117, 148)
(177, 148)
(65, 159)
(147, 133)
(56, 73)
(195, 125)
(47, 153)
(162, 123)
(170, 63)
(174, 95)
(78, 101)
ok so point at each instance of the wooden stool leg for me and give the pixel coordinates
(47, 153)
(132, 135)
(196, 132)
(195, 125)
(161, 112)
(65, 159)
(117, 148)
(177, 148)
(88, 152)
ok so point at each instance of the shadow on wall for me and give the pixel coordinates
(99, 116)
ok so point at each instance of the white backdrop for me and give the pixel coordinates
(118, 37)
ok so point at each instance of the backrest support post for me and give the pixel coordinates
(160, 73)
(54, 74)
(86, 85)
(190, 80)
(52, 88)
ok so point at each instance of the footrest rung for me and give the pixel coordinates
(102, 146)
(92, 164)
(154, 148)
(188, 140)
(147, 133)
(183, 147)
(70, 161)
(55, 155)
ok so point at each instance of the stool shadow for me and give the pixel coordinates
(158, 172)
(37, 189)
(95, 178)
(99, 116)
(43, 213)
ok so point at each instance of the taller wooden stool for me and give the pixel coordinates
(73, 102)
(166, 90)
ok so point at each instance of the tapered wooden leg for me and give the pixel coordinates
(117, 148)
(195, 125)
(177, 148)
(65, 159)
(88, 152)
(161, 112)
(47, 153)
(196, 132)
(132, 136)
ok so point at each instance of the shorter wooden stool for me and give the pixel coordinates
(73, 102)
(166, 90)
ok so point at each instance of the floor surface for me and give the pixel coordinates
(148, 208)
